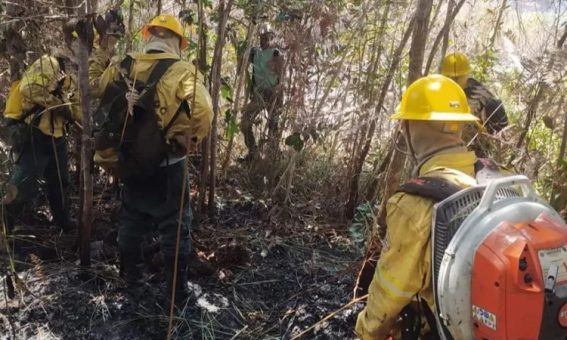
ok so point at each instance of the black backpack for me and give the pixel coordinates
(137, 141)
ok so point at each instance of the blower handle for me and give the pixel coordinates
(523, 182)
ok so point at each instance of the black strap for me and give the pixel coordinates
(184, 106)
(410, 323)
(433, 332)
(61, 62)
(434, 188)
(126, 65)
(158, 71)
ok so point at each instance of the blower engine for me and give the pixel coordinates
(499, 264)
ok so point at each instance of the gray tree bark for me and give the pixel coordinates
(216, 82)
(87, 145)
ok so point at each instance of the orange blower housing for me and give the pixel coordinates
(519, 282)
(499, 258)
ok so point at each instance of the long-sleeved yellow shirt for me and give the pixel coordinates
(404, 268)
(180, 82)
(36, 88)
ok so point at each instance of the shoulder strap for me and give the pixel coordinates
(159, 70)
(434, 188)
(184, 106)
(126, 64)
(61, 62)
(428, 313)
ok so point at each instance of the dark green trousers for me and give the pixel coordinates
(268, 100)
(154, 204)
(41, 161)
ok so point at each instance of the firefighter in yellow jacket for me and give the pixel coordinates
(433, 111)
(39, 106)
(154, 203)
(483, 103)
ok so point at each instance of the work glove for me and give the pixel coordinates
(110, 28)
(132, 97)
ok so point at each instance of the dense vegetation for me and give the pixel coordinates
(316, 192)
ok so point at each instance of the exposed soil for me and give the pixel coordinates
(271, 277)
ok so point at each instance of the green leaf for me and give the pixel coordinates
(564, 163)
(226, 92)
(295, 141)
(361, 227)
(231, 126)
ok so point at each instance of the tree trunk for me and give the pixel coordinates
(130, 24)
(202, 64)
(559, 189)
(14, 47)
(202, 38)
(359, 160)
(416, 54)
(379, 49)
(532, 109)
(561, 155)
(86, 154)
(419, 39)
(498, 23)
(216, 81)
(443, 34)
(240, 81)
(561, 40)
(372, 192)
(445, 44)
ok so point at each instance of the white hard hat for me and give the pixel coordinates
(266, 28)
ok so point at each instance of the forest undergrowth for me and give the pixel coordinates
(263, 274)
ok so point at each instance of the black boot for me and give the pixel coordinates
(181, 288)
(13, 214)
(131, 267)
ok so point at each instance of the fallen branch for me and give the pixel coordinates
(329, 316)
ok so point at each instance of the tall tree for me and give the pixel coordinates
(239, 84)
(360, 159)
(224, 10)
(498, 23)
(417, 51)
(87, 145)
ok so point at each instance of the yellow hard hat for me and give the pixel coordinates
(169, 22)
(455, 64)
(434, 97)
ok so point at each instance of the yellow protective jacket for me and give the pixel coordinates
(98, 62)
(404, 268)
(180, 82)
(36, 88)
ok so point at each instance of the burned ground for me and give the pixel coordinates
(269, 277)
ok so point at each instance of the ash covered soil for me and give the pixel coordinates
(259, 277)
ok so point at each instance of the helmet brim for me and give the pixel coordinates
(435, 116)
(146, 35)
